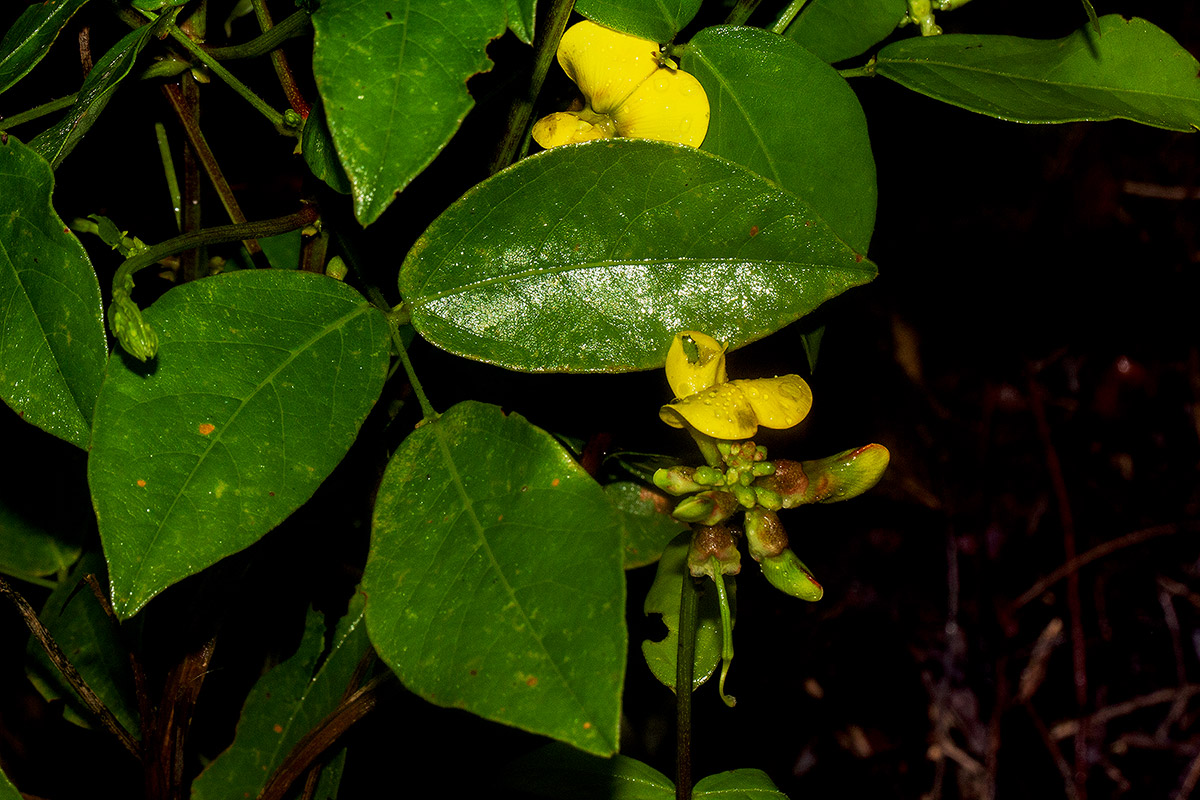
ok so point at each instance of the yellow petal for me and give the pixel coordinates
(606, 65)
(778, 402)
(669, 106)
(734, 410)
(695, 362)
(563, 127)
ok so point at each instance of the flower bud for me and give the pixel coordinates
(765, 534)
(827, 480)
(706, 508)
(789, 575)
(714, 541)
(132, 331)
(677, 480)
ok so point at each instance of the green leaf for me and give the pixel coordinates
(91, 641)
(393, 77)
(319, 153)
(52, 343)
(738, 784)
(648, 524)
(657, 20)
(7, 790)
(28, 550)
(1132, 71)
(55, 143)
(784, 113)
(30, 38)
(530, 269)
(261, 382)
(839, 29)
(663, 598)
(556, 771)
(521, 19)
(494, 581)
(284, 705)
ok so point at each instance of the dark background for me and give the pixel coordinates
(1029, 354)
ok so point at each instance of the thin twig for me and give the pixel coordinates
(279, 59)
(1104, 715)
(685, 663)
(59, 659)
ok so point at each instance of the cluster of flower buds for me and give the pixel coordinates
(739, 476)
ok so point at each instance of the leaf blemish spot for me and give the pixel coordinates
(753, 233)
(206, 428)
(587, 726)
(532, 681)
(554, 482)
(141, 483)
(279, 728)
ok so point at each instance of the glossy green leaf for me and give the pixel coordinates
(316, 146)
(657, 20)
(30, 38)
(521, 19)
(494, 581)
(285, 704)
(393, 75)
(648, 524)
(527, 270)
(663, 598)
(557, 771)
(784, 113)
(52, 342)
(738, 784)
(55, 143)
(28, 550)
(261, 382)
(7, 790)
(839, 29)
(92, 642)
(1132, 70)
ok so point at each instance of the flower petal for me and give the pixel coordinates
(778, 402)
(669, 106)
(734, 410)
(695, 362)
(606, 65)
(563, 127)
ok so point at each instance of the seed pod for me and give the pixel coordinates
(789, 575)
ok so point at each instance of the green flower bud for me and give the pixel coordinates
(827, 480)
(706, 508)
(765, 534)
(768, 499)
(709, 476)
(132, 331)
(714, 544)
(789, 575)
(745, 495)
(677, 480)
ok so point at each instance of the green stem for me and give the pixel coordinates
(215, 68)
(38, 111)
(708, 447)
(221, 234)
(867, 70)
(950, 5)
(726, 630)
(294, 25)
(168, 162)
(787, 16)
(685, 663)
(741, 12)
(427, 411)
(279, 60)
(516, 137)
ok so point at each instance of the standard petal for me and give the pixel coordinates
(606, 65)
(723, 412)
(563, 127)
(695, 362)
(670, 106)
(778, 402)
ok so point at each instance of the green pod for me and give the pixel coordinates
(788, 574)
(706, 508)
(827, 480)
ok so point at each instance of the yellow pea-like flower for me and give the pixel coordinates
(695, 362)
(629, 88)
(735, 409)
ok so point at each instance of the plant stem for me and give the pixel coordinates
(292, 25)
(867, 70)
(279, 60)
(215, 67)
(741, 12)
(685, 663)
(516, 136)
(427, 411)
(38, 111)
(164, 152)
(787, 16)
(218, 235)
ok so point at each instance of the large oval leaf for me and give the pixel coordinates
(261, 382)
(786, 114)
(839, 29)
(656, 20)
(30, 38)
(393, 76)
(495, 583)
(589, 258)
(1131, 70)
(52, 342)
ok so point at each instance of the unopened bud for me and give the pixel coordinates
(677, 480)
(765, 534)
(788, 574)
(132, 331)
(706, 508)
(711, 542)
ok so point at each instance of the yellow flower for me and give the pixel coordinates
(726, 409)
(630, 90)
